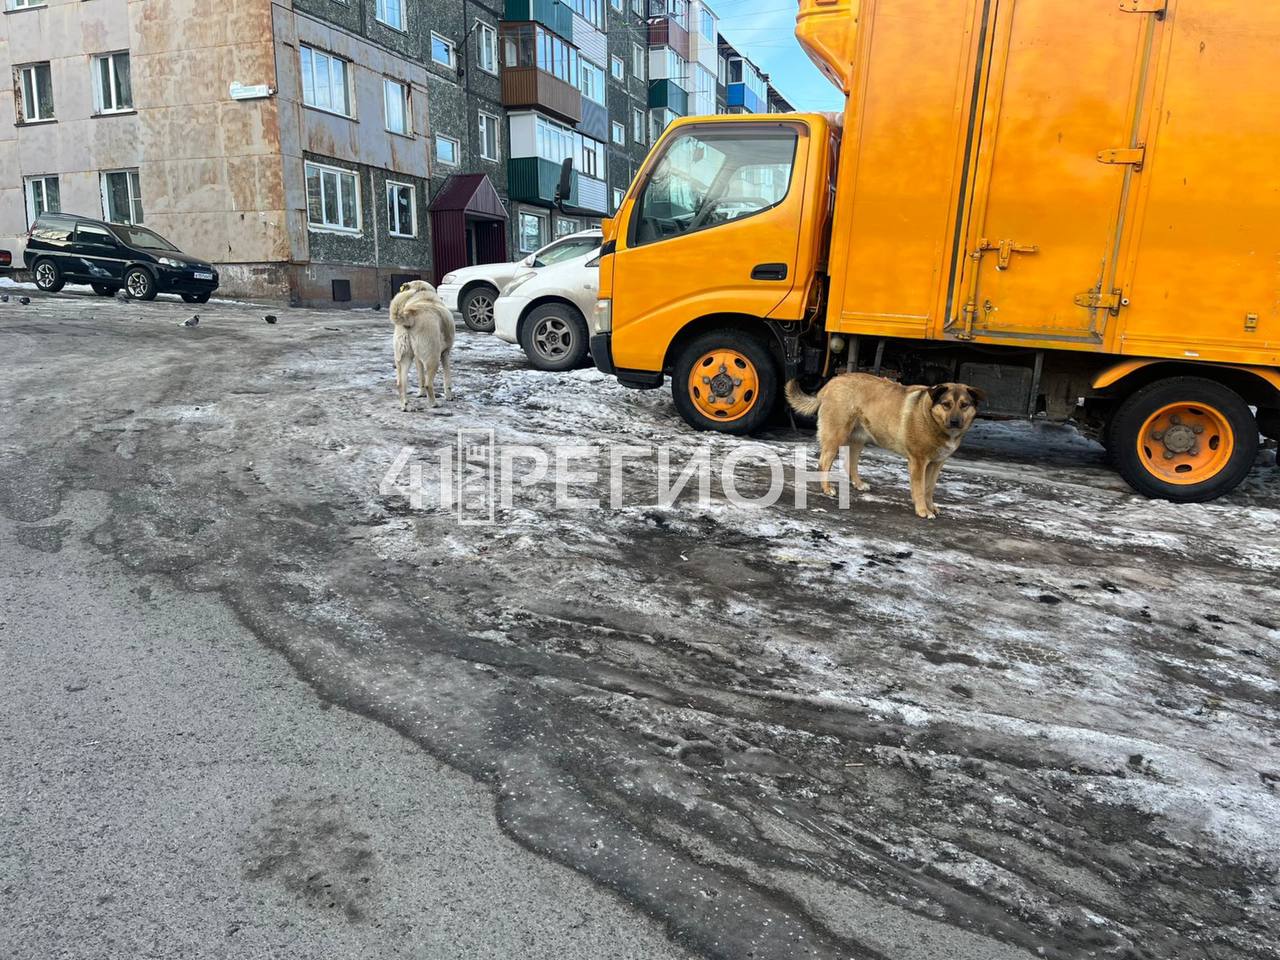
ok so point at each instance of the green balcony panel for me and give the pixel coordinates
(555, 15)
(669, 95)
(534, 180)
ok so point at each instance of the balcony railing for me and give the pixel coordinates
(529, 87)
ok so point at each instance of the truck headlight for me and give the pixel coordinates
(602, 321)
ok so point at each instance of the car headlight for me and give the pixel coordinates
(602, 321)
(172, 263)
(518, 282)
(448, 279)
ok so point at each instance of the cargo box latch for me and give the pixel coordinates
(1158, 7)
(1133, 155)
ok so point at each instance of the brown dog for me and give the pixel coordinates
(924, 424)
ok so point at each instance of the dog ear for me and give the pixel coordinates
(979, 395)
(937, 393)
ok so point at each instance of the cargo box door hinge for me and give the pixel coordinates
(1131, 155)
(1144, 6)
(1097, 300)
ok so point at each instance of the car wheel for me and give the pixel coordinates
(725, 380)
(140, 284)
(48, 276)
(554, 337)
(196, 297)
(477, 308)
(103, 290)
(1185, 439)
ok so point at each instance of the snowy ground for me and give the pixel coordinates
(1043, 725)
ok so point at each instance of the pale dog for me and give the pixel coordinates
(423, 337)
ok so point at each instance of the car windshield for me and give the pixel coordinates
(144, 238)
(566, 250)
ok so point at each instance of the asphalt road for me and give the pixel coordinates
(258, 704)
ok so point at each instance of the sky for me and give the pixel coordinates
(765, 30)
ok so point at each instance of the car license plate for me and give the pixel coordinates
(201, 275)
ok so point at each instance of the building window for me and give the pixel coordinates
(592, 82)
(617, 198)
(490, 143)
(531, 45)
(390, 12)
(398, 112)
(591, 157)
(326, 81)
(565, 226)
(447, 150)
(619, 132)
(113, 92)
(43, 196)
(532, 232)
(487, 48)
(402, 213)
(707, 25)
(22, 4)
(443, 52)
(333, 199)
(37, 93)
(617, 4)
(122, 196)
(637, 126)
(618, 67)
(637, 61)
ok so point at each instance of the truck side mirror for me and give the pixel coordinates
(565, 190)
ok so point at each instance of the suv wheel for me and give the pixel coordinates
(477, 308)
(725, 380)
(48, 276)
(554, 337)
(140, 284)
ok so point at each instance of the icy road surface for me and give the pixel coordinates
(1045, 725)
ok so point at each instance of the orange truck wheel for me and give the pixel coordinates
(725, 380)
(1185, 439)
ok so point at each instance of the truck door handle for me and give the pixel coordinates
(770, 271)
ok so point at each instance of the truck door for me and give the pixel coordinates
(1059, 132)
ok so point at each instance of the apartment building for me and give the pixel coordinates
(326, 150)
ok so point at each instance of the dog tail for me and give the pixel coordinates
(800, 401)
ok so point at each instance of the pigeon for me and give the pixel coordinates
(270, 318)
(191, 321)
(24, 300)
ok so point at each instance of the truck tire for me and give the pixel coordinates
(725, 380)
(1185, 439)
(1269, 422)
(476, 308)
(554, 337)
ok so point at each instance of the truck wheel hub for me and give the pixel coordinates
(724, 385)
(1179, 439)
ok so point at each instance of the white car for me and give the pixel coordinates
(472, 291)
(546, 310)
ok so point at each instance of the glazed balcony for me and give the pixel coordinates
(540, 70)
(555, 15)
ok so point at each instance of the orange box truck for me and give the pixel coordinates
(1075, 206)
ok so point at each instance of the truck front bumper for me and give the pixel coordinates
(602, 356)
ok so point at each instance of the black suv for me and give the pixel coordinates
(63, 248)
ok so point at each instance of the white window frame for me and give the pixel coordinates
(405, 98)
(382, 8)
(104, 100)
(618, 68)
(457, 150)
(639, 61)
(35, 92)
(330, 60)
(618, 133)
(340, 172)
(413, 209)
(29, 185)
(136, 213)
(639, 127)
(490, 151)
(452, 63)
(618, 196)
(487, 44)
(26, 4)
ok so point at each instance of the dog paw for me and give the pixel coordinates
(926, 514)
(862, 486)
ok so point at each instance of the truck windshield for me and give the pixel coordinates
(707, 178)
